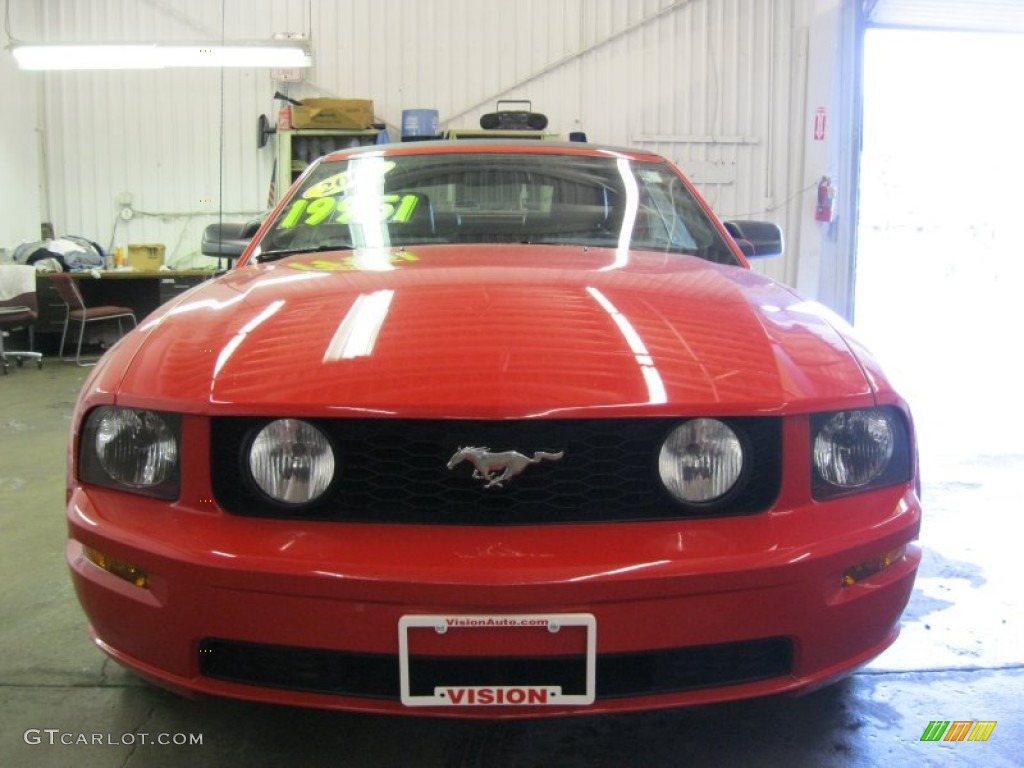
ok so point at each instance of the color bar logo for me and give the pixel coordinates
(959, 730)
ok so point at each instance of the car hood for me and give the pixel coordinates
(472, 331)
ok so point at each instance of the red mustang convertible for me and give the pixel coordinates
(493, 429)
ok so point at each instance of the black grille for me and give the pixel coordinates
(396, 471)
(376, 675)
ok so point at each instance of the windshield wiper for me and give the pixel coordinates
(577, 242)
(280, 253)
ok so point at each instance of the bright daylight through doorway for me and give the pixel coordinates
(939, 296)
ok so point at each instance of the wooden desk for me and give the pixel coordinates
(142, 291)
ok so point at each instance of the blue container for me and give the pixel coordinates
(419, 124)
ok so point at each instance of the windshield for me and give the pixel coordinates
(487, 197)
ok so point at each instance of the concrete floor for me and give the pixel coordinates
(961, 656)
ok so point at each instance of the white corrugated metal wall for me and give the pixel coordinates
(716, 85)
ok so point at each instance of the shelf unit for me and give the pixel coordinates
(296, 149)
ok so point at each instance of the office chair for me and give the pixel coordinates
(18, 309)
(78, 312)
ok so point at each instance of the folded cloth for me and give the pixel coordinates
(16, 280)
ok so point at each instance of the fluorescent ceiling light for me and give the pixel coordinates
(284, 55)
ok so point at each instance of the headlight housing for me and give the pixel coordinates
(132, 449)
(701, 461)
(858, 450)
(291, 461)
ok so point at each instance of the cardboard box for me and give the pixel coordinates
(146, 257)
(334, 114)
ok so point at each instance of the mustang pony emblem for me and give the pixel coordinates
(487, 465)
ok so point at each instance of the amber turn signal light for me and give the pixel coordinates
(119, 568)
(870, 567)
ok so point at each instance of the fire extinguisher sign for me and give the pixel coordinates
(819, 124)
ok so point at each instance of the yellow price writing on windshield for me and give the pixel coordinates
(348, 210)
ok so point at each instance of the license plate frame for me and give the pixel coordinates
(538, 694)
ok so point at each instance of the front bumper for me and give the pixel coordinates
(685, 612)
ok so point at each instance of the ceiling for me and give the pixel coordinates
(1005, 16)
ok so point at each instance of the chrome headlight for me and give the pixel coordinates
(700, 461)
(858, 449)
(291, 461)
(132, 449)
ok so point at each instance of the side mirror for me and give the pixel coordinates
(757, 239)
(228, 240)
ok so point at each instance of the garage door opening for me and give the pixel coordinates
(940, 270)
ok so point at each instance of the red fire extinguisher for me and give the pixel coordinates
(826, 200)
